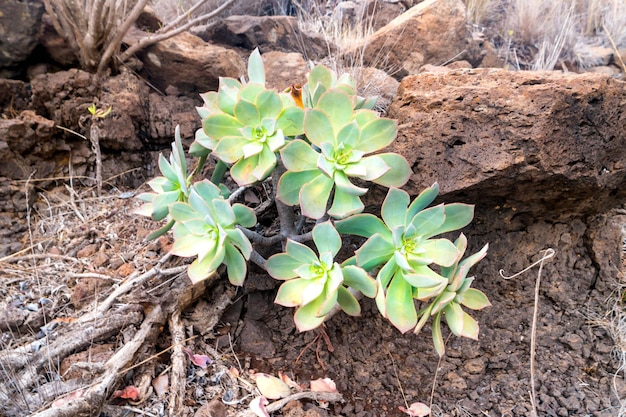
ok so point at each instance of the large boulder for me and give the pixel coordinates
(268, 33)
(188, 64)
(538, 143)
(20, 23)
(433, 32)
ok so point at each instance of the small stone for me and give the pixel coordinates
(574, 341)
(214, 408)
(475, 366)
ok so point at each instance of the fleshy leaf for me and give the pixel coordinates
(326, 238)
(256, 70)
(394, 207)
(271, 387)
(364, 225)
(282, 266)
(348, 302)
(400, 308)
(473, 299)
(377, 134)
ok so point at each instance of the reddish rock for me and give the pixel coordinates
(283, 69)
(268, 33)
(433, 32)
(188, 63)
(545, 143)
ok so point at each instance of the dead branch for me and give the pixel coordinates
(93, 399)
(178, 372)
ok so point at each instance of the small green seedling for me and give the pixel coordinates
(321, 143)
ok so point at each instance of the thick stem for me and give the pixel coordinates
(285, 213)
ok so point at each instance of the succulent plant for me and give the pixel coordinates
(339, 139)
(315, 284)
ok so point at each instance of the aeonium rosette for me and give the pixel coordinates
(404, 246)
(315, 284)
(339, 139)
(206, 227)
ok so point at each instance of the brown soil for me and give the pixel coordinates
(375, 368)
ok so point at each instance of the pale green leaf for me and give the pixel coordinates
(356, 278)
(182, 212)
(338, 106)
(236, 265)
(256, 71)
(326, 238)
(377, 134)
(220, 125)
(270, 104)
(345, 204)
(473, 299)
(394, 208)
(364, 225)
(441, 251)
(371, 168)
(298, 156)
(230, 149)
(161, 202)
(349, 304)
(454, 317)
(244, 215)
(348, 135)
(306, 316)
(291, 121)
(243, 171)
(440, 346)
(423, 200)
(318, 127)
(291, 183)
(400, 308)
(399, 173)
(282, 266)
(427, 221)
(457, 216)
(237, 238)
(301, 252)
(247, 113)
(375, 251)
(290, 292)
(314, 196)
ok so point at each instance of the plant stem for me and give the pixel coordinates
(218, 172)
(285, 212)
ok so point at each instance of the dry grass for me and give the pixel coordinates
(538, 34)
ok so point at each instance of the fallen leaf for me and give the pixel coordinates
(199, 360)
(161, 385)
(416, 410)
(64, 400)
(290, 382)
(257, 406)
(323, 385)
(271, 387)
(129, 393)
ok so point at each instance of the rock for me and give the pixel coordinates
(433, 32)
(20, 23)
(213, 408)
(268, 33)
(14, 97)
(256, 338)
(540, 143)
(282, 69)
(188, 63)
(376, 14)
(167, 112)
(375, 82)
